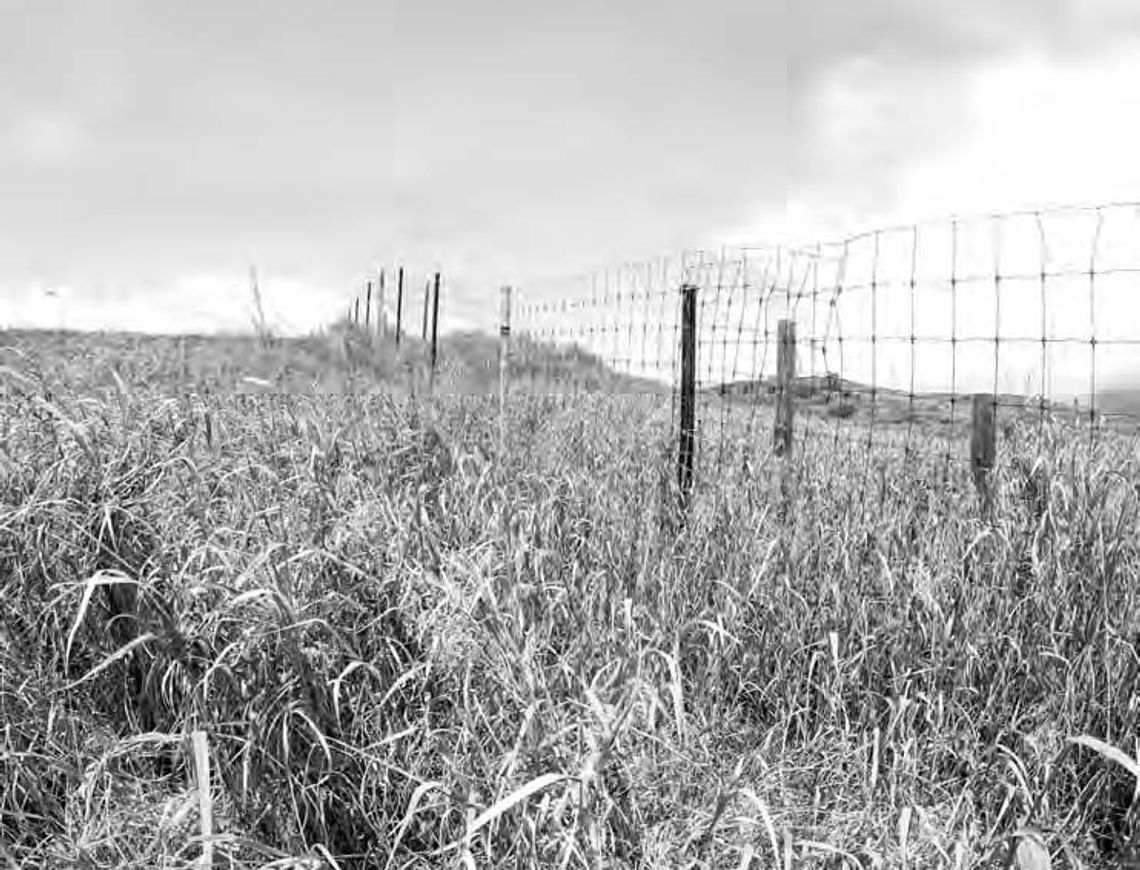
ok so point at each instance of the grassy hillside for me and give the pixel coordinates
(343, 359)
(408, 648)
(1121, 400)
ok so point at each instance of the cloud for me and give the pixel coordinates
(1039, 132)
(48, 138)
(497, 141)
(882, 88)
(896, 143)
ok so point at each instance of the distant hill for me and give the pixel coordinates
(832, 396)
(1120, 401)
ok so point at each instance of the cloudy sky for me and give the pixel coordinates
(150, 151)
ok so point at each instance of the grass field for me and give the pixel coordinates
(408, 649)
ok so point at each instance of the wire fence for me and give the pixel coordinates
(384, 303)
(894, 331)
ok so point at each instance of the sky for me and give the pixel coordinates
(152, 151)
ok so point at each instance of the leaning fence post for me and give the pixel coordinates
(983, 449)
(687, 444)
(504, 361)
(785, 378)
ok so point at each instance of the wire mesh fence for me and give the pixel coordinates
(895, 332)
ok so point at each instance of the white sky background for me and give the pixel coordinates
(150, 151)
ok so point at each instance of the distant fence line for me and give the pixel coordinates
(374, 296)
(882, 336)
(370, 307)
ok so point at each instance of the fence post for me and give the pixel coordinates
(399, 303)
(356, 310)
(504, 361)
(381, 325)
(367, 304)
(983, 449)
(182, 367)
(201, 749)
(434, 327)
(687, 445)
(427, 305)
(785, 382)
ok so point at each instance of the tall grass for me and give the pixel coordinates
(409, 651)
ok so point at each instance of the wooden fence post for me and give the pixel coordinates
(687, 445)
(504, 361)
(785, 388)
(983, 449)
(367, 304)
(356, 311)
(427, 306)
(399, 303)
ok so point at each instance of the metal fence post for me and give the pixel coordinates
(687, 444)
(504, 361)
(399, 303)
(381, 313)
(435, 327)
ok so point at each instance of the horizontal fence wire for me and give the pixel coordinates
(896, 330)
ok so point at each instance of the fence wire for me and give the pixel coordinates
(896, 330)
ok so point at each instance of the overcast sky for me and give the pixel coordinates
(150, 151)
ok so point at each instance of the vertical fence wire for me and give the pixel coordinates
(1092, 329)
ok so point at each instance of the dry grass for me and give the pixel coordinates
(408, 651)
